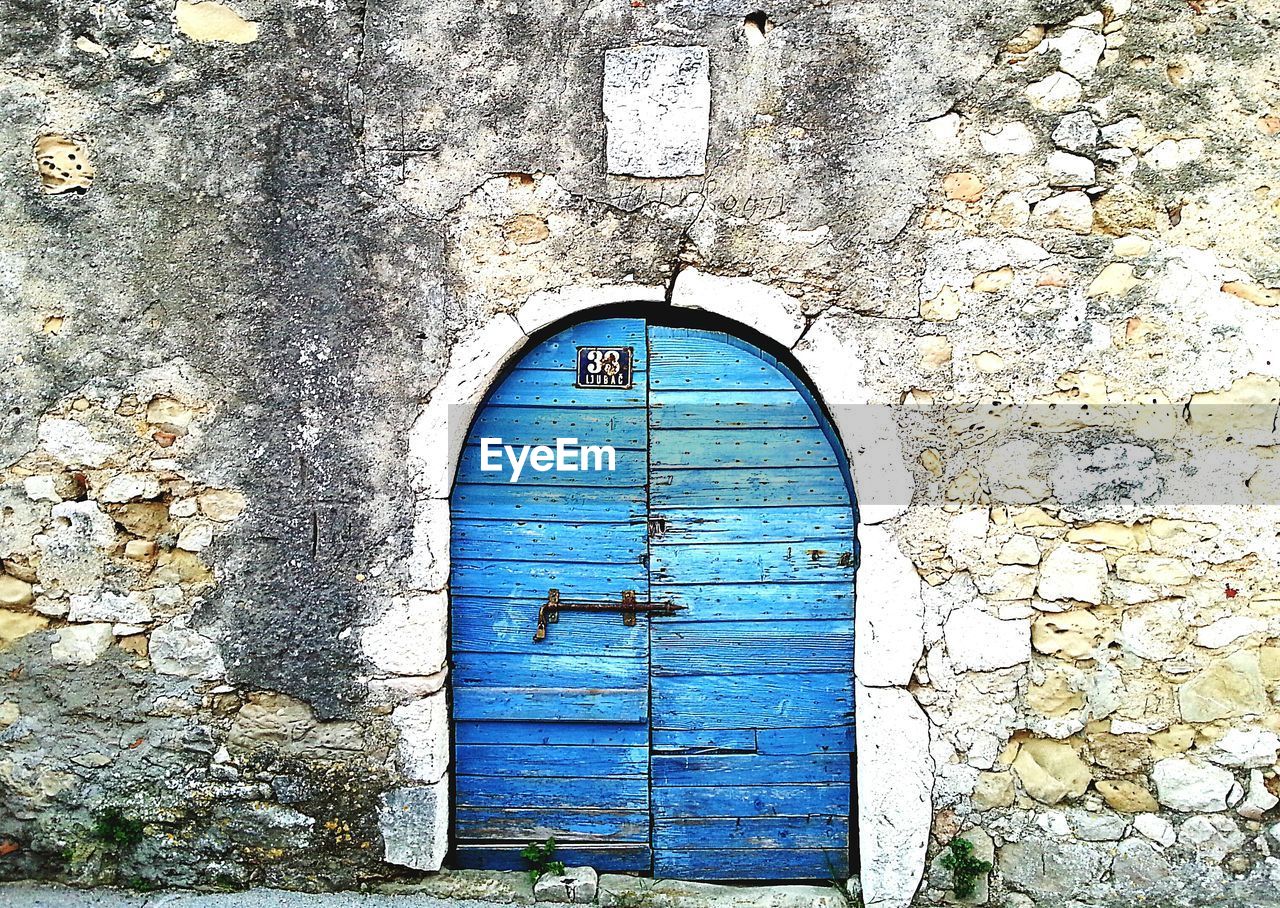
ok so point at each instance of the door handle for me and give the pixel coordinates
(629, 606)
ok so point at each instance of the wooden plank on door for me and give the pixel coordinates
(752, 683)
(551, 737)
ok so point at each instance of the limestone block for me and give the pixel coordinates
(411, 637)
(766, 309)
(994, 789)
(1228, 630)
(1174, 153)
(72, 443)
(1210, 838)
(1098, 827)
(16, 625)
(1076, 132)
(978, 641)
(547, 306)
(1069, 211)
(415, 825)
(270, 720)
(1230, 687)
(439, 432)
(1079, 50)
(1184, 784)
(107, 606)
(81, 644)
(1054, 697)
(1069, 170)
(1009, 583)
(209, 21)
(657, 109)
(1123, 209)
(1109, 476)
(73, 556)
(62, 162)
(1052, 867)
(1258, 798)
(1156, 828)
(221, 505)
(577, 885)
(1069, 573)
(1246, 748)
(15, 593)
(1155, 630)
(895, 784)
(1054, 93)
(1008, 139)
(1138, 866)
(429, 568)
(1126, 796)
(424, 738)
(1154, 570)
(130, 487)
(1019, 550)
(1248, 404)
(177, 649)
(1113, 281)
(41, 488)
(1075, 634)
(1051, 771)
(890, 617)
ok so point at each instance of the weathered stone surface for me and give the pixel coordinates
(424, 738)
(1211, 838)
(1074, 634)
(895, 809)
(575, 885)
(1126, 796)
(888, 641)
(1052, 868)
(1248, 748)
(82, 644)
(657, 104)
(1076, 132)
(978, 641)
(108, 606)
(1155, 828)
(1227, 688)
(15, 593)
(1184, 784)
(177, 649)
(1069, 211)
(270, 720)
(993, 789)
(1258, 798)
(1069, 573)
(415, 825)
(1051, 771)
(409, 638)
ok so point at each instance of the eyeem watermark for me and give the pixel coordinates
(566, 457)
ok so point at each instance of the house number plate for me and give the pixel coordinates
(604, 367)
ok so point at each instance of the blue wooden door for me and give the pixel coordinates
(753, 532)
(712, 744)
(551, 737)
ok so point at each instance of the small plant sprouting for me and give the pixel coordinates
(543, 859)
(965, 868)
(112, 828)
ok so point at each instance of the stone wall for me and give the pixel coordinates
(262, 258)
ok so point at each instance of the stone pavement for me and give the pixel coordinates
(451, 889)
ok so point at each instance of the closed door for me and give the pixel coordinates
(707, 731)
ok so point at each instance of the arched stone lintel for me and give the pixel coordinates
(894, 769)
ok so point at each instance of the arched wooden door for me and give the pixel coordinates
(710, 737)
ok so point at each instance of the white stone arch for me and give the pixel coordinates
(894, 768)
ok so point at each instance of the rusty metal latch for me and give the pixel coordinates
(551, 609)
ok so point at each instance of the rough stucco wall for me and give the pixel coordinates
(292, 224)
